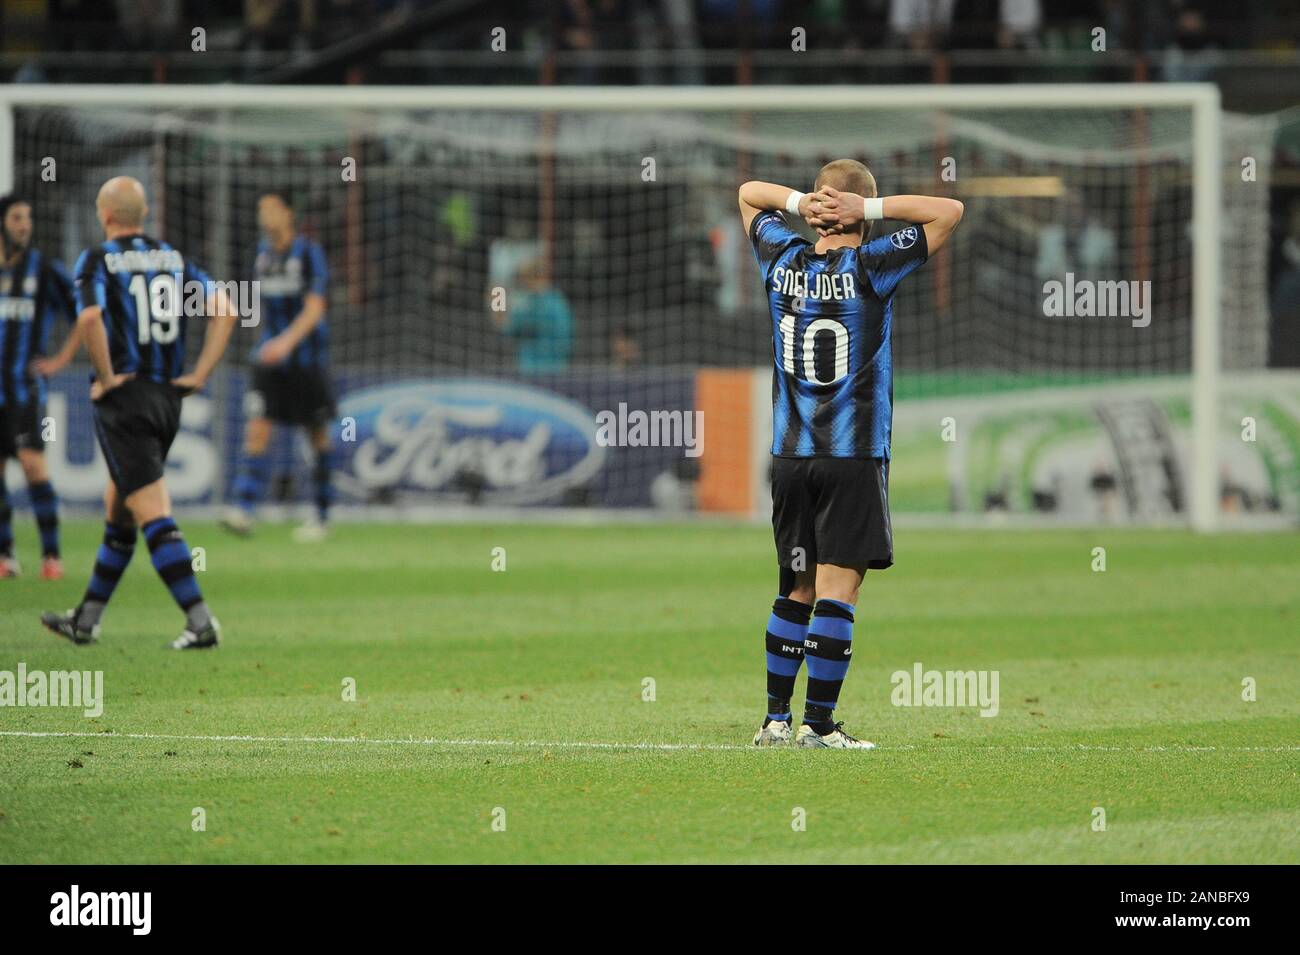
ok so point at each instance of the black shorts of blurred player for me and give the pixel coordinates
(20, 430)
(292, 396)
(135, 425)
(298, 397)
(288, 395)
(830, 520)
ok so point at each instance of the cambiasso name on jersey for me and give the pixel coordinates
(818, 286)
(144, 260)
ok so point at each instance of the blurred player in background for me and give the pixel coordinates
(33, 289)
(832, 394)
(291, 383)
(131, 291)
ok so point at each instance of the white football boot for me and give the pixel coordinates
(835, 739)
(773, 733)
(311, 532)
(209, 636)
(237, 520)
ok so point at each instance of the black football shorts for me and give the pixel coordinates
(136, 424)
(292, 395)
(20, 426)
(832, 511)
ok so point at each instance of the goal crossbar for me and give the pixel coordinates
(1202, 99)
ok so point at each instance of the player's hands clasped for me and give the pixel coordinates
(832, 212)
(100, 388)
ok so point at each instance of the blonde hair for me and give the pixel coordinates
(847, 175)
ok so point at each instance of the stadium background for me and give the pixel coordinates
(659, 282)
(596, 677)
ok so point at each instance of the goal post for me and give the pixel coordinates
(211, 148)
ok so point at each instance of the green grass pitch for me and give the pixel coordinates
(486, 696)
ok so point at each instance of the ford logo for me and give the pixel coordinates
(519, 443)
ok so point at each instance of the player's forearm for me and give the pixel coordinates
(310, 316)
(90, 324)
(765, 196)
(69, 349)
(215, 340)
(922, 210)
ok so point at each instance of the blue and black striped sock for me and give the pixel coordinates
(6, 518)
(250, 484)
(322, 477)
(110, 562)
(786, 629)
(46, 505)
(171, 558)
(829, 647)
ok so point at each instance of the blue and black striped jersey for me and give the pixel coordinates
(284, 280)
(31, 294)
(832, 316)
(143, 286)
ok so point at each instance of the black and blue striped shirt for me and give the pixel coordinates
(832, 317)
(284, 280)
(31, 294)
(143, 286)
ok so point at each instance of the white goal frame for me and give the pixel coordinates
(1201, 98)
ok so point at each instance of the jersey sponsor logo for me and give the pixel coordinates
(509, 443)
(281, 286)
(904, 238)
(17, 309)
(285, 281)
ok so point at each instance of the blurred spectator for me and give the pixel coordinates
(1284, 345)
(1075, 238)
(1193, 51)
(592, 26)
(539, 322)
(83, 24)
(1019, 24)
(154, 24)
(624, 349)
(920, 24)
(739, 24)
(279, 24)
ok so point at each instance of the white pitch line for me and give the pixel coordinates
(408, 741)
(580, 744)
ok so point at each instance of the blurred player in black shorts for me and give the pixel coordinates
(134, 297)
(291, 383)
(33, 289)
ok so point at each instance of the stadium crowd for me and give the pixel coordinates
(1180, 26)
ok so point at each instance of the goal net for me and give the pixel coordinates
(543, 299)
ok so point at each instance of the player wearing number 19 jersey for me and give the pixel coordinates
(831, 305)
(134, 294)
